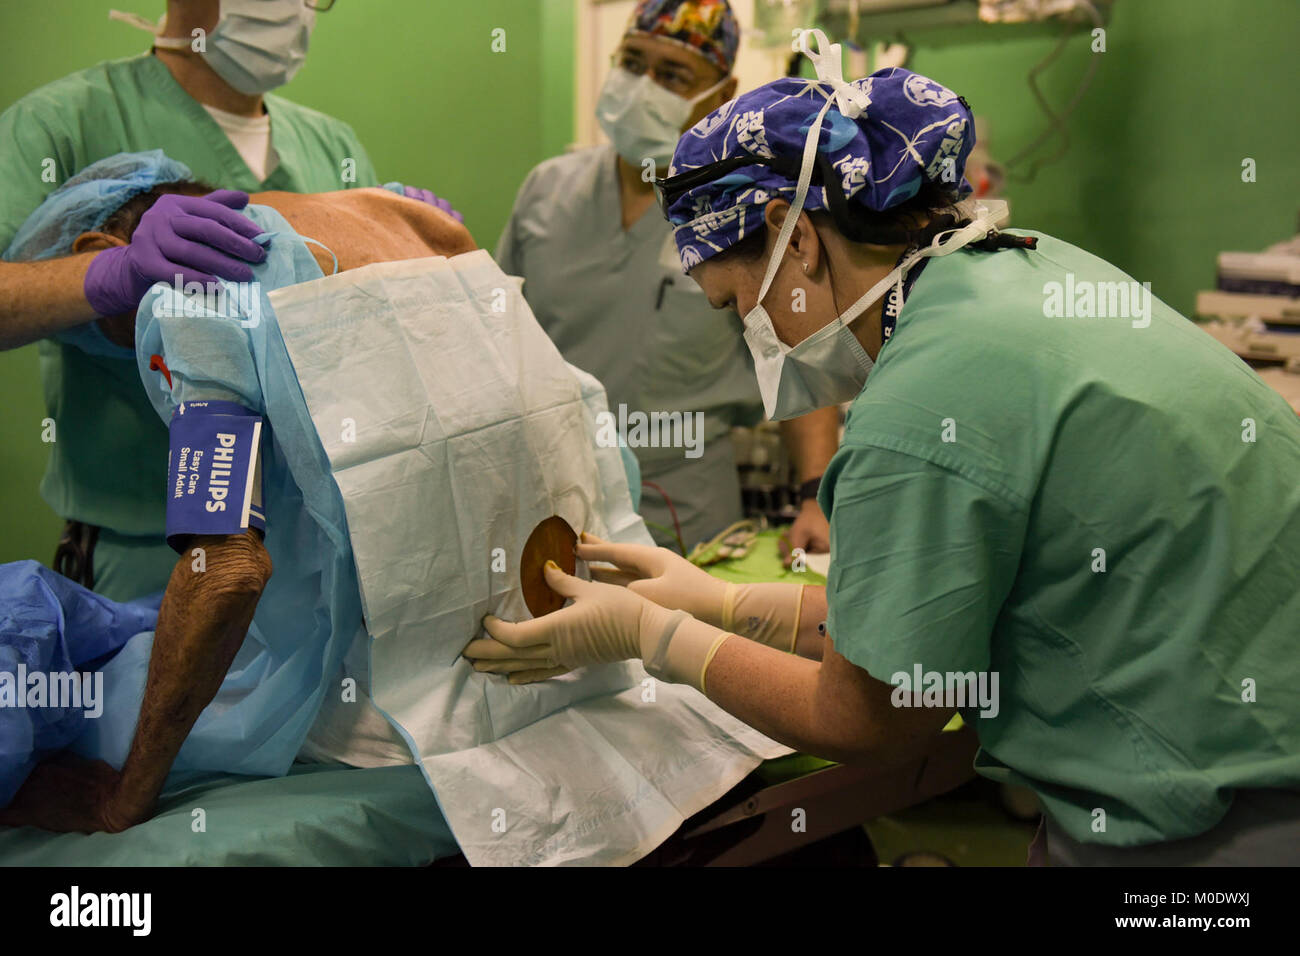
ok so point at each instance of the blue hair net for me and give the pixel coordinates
(82, 204)
(86, 200)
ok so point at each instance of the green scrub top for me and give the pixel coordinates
(1107, 517)
(108, 464)
(617, 305)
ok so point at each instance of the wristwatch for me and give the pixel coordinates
(809, 489)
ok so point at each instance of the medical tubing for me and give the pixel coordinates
(672, 510)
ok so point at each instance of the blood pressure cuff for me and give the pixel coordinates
(214, 475)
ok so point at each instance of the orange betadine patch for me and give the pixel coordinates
(552, 540)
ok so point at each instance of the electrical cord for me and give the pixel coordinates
(672, 510)
(1056, 124)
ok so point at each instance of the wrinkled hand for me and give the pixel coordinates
(810, 531)
(199, 238)
(604, 624)
(425, 196)
(66, 794)
(659, 574)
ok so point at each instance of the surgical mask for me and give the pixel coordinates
(256, 46)
(641, 118)
(831, 366)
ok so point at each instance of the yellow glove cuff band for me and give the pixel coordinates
(729, 606)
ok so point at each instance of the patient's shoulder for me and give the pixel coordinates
(370, 225)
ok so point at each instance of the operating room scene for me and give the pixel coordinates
(607, 433)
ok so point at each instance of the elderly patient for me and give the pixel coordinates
(204, 617)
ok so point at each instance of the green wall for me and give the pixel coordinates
(417, 79)
(1152, 179)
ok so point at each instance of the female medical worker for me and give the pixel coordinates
(209, 109)
(1087, 522)
(602, 278)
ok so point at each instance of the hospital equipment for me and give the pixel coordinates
(734, 541)
(1255, 311)
(1260, 273)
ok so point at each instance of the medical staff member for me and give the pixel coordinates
(602, 278)
(200, 95)
(1093, 515)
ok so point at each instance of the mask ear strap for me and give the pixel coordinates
(800, 194)
(711, 90)
(960, 237)
(327, 249)
(140, 23)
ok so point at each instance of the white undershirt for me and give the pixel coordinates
(251, 135)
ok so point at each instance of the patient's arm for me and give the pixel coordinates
(201, 625)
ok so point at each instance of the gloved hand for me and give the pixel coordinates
(767, 612)
(425, 196)
(605, 624)
(661, 575)
(198, 238)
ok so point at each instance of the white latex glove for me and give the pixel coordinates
(604, 624)
(767, 612)
(661, 575)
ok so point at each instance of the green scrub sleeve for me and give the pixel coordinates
(33, 161)
(921, 561)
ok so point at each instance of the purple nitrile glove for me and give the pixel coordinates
(196, 237)
(424, 195)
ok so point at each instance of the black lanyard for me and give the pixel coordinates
(895, 298)
(893, 306)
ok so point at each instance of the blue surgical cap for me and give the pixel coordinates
(911, 131)
(85, 201)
